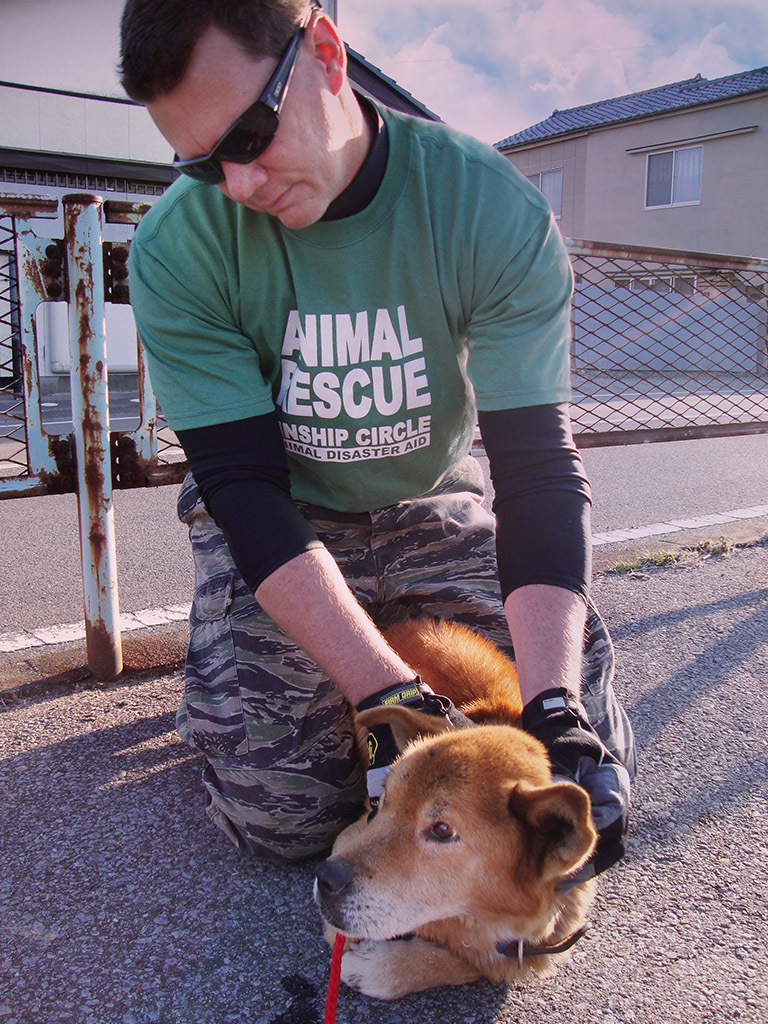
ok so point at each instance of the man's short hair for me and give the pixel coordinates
(157, 37)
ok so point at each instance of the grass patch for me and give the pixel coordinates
(644, 560)
(684, 556)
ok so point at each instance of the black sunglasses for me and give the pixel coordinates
(252, 132)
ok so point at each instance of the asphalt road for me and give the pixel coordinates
(632, 486)
(121, 905)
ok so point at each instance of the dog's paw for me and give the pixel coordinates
(396, 967)
(375, 968)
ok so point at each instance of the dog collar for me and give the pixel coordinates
(520, 948)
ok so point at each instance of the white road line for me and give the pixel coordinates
(675, 525)
(50, 635)
(43, 637)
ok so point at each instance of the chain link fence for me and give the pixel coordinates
(667, 345)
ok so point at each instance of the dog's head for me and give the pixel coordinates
(470, 825)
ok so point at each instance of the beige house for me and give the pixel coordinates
(682, 166)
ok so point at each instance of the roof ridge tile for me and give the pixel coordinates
(644, 103)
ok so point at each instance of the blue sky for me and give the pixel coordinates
(489, 67)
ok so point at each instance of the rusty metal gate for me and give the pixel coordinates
(666, 345)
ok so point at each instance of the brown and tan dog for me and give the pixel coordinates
(456, 877)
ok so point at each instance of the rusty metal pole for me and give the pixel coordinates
(90, 415)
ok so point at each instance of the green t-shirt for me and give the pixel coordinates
(373, 336)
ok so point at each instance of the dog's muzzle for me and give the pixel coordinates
(333, 880)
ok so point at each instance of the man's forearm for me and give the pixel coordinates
(547, 628)
(310, 601)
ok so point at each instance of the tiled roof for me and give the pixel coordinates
(692, 92)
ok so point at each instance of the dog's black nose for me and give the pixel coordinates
(333, 876)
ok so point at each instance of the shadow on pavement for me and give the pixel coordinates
(121, 904)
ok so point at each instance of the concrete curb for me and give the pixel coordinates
(152, 651)
(161, 649)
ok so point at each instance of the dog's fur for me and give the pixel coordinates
(470, 840)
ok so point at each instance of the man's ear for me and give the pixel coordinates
(406, 725)
(560, 822)
(328, 48)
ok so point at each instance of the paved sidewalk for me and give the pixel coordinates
(120, 904)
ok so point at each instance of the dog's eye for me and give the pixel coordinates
(442, 832)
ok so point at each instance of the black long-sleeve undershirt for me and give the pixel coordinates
(242, 474)
(542, 498)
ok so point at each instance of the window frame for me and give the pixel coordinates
(674, 150)
(538, 174)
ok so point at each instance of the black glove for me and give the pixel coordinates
(382, 749)
(577, 754)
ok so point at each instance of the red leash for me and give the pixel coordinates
(333, 982)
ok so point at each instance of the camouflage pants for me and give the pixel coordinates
(282, 774)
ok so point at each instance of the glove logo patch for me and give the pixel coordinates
(401, 696)
(373, 746)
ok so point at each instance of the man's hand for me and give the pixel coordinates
(382, 749)
(577, 754)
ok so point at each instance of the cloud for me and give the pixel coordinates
(690, 58)
(457, 90)
(492, 67)
(563, 45)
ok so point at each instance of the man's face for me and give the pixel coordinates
(305, 166)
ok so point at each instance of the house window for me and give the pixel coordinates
(673, 177)
(663, 284)
(550, 184)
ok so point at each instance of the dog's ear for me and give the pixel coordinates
(559, 818)
(406, 725)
